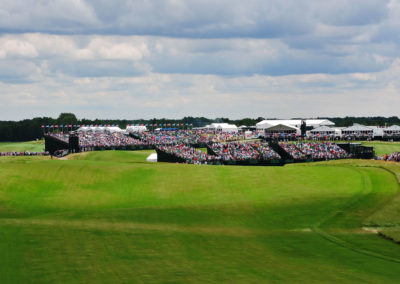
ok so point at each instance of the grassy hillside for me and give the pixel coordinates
(382, 147)
(110, 217)
(31, 146)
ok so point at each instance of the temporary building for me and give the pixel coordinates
(281, 129)
(224, 127)
(294, 123)
(113, 129)
(323, 130)
(393, 130)
(136, 128)
(357, 129)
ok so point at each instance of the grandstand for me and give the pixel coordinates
(280, 143)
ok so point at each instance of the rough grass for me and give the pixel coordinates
(31, 146)
(382, 148)
(110, 217)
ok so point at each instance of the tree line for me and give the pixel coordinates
(31, 129)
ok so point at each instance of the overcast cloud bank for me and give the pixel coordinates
(131, 59)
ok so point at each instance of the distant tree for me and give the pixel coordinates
(67, 118)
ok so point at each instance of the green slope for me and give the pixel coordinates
(110, 217)
(31, 146)
(382, 148)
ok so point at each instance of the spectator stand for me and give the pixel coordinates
(391, 133)
(357, 132)
(322, 133)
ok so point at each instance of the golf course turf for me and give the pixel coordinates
(110, 217)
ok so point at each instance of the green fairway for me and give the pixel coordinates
(110, 217)
(31, 146)
(382, 147)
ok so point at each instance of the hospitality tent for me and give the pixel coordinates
(393, 130)
(314, 123)
(224, 127)
(357, 129)
(281, 129)
(323, 130)
(111, 129)
(136, 128)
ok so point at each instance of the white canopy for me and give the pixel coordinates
(136, 128)
(282, 128)
(357, 128)
(294, 123)
(224, 127)
(323, 129)
(392, 128)
(111, 129)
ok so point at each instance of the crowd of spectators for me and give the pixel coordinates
(357, 137)
(282, 136)
(189, 154)
(227, 146)
(393, 157)
(242, 151)
(323, 137)
(88, 140)
(314, 150)
(235, 151)
(189, 137)
(26, 153)
(292, 150)
(265, 150)
(105, 139)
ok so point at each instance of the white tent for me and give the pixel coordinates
(357, 128)
(224, 127)
(294, 123)
(136, 128)
(83, 129)
(282, 128)
(323, 130)
(393, 130)
(113, 129)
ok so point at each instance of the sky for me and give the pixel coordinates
(136, 59)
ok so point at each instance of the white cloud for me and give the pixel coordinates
(172, 58)
(177, 95)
